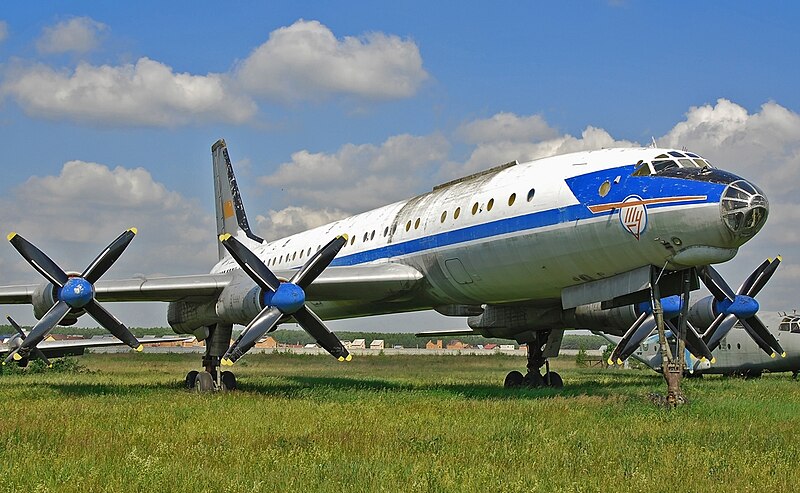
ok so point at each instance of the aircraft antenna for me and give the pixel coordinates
(653, 140)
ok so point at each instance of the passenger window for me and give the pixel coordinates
(372, 235)
(385, 231)
(394, 228)
(353, 240)
(444, 216)
(457, 213)
(301, 253)
(474, 208)
(408, 226)
(531, 193)
(511, 199)
(416, 224)
(294, 255)
(489, 205)
(366, 237)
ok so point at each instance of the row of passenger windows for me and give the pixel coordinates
(370, 235)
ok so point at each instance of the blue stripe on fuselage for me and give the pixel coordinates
(584, 187)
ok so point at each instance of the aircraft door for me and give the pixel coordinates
(457, 271)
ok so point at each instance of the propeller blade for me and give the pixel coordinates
(762, 279)
(694, 343)
(250, 263)
(763, 337)
(319, 262)
(715, 283)
(718, 330)
(263, 323)
(312, 324)
(37, 258)
(112, 324)
(107, 257)
(748, 283)
(16, 327)
(636, 339)
(41, 329)
(625, 338)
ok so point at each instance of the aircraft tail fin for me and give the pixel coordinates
(231, 217)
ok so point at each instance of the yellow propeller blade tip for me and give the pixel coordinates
(713, 360)
(134, 231)
(783, 354)
(344, 235)
(226, 362)
(50, 365)
(4, 363)
(610, 362)
(224, 236)
(17, 357)
(779, 258)
(11, 236)
(703, 359)
(349, 357)
(773, 354)
(619, 361)
(139, 348)
(341, 358)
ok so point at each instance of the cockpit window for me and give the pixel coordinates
(668, 161)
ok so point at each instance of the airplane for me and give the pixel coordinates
(524, 250)
(70, 347)
(737, 354)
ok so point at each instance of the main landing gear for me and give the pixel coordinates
(211, 379)
(534, 379)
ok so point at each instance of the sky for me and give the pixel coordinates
(108, 111)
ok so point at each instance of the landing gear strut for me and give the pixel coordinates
(534, 378)
(211, 379)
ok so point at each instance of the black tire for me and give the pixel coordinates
(228, 380)
(204, 382)
(533, 380)
(513, 380)
(191, 380)
(556, 381)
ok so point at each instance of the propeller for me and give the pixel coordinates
(284, 299)
(35, 351)
(645, 324)
(740, 306)
(72, 292)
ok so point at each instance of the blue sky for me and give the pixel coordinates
(448, 87)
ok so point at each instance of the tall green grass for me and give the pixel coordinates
(388, 423)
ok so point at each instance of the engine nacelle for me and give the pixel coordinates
(44, 297)
(239, 303)
(702, 313)
(594, 317)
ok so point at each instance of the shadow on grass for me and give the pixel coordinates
(314, 387)
(301, 387)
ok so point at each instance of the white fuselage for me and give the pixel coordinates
(525, 232)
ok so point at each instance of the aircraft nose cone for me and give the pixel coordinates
(744, 208)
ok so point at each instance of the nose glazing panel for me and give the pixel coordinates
(744, 208)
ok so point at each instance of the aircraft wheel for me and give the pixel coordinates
(204, 382)
(534, 380)
(556, 381)
(228, 380)
(191, 379)
(513, 380)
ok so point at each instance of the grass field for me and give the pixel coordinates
(389, 423)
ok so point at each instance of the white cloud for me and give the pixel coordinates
(145, 93)
(78, 34)
(507, 127)
(293, 219)
(74, 215)
(305, 61)
(360, 177)
(3, 31)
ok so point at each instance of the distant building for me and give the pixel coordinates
(310, 346)
(490, 346)
(268, 342)
(376, 344)
(456, 344)
(507, 347)
(359, 344)
(190, 343)
(434, 345)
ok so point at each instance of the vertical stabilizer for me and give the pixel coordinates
(231, 217)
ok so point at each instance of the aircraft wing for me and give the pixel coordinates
(359, 282)
(76, 347)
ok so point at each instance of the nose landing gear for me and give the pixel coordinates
(211, 379)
